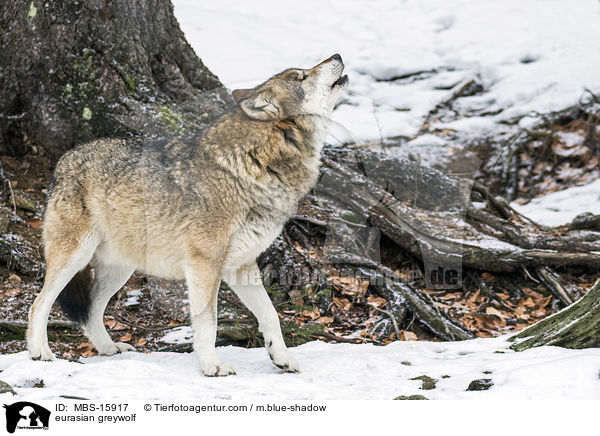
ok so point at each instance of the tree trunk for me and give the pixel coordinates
(576, 326)
(75, 71)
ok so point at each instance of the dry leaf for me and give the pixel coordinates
(487, 277)
(349, 285)
(113, 324)
(376, 301)
(493, 311)
(36, 223)
(533, 294)
(342, 303)
(406, 335)
(311, 313)
(141, 341)
(324, 320)
(528, 302)
(544, 302)
(85, 345)
(473, 298)
(14, 278)
(126, 337)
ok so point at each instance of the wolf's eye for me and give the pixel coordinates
(301, 76)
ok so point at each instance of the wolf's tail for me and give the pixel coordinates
(75, 299)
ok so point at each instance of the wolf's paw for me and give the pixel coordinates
(285, 360)
(114, 348)
(117, 347)
(123, 347)
(41, 353)
(219, 369)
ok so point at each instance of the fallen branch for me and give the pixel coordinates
(552, 282)
(335, 338)
(21, 326)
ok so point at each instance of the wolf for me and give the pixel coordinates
(199, 211)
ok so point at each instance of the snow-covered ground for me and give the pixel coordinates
(529, 56)
(558, 208)
(329, 371)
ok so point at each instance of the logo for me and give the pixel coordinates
(26, 415)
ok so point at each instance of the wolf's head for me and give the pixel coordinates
(295, 92)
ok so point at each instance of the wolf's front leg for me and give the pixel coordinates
(203, 284)
(247, 284)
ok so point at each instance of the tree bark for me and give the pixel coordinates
(75, 71)
(576, 326)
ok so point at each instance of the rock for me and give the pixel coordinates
(5, 387)
(73, 397)
(235, 332)
(405, 362)
(411, 397)
(25, 203)
(427, 383)
(482, 384)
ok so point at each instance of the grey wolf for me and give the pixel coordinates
(201, 212)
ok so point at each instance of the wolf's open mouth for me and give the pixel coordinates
(341, 81)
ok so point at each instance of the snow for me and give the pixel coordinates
(558, 208)
(530, 57)
(329, 371)
(179, 335)
(570, 139)
(133, 297)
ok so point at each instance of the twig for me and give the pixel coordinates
(553, 284)
(331, 336)
(503, 206)
(144, 327)
(309, 220)
(12, 196)
(22, 325)
(388, 313)
(529, 275)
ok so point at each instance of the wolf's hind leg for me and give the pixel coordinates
(108, 279)
(203, 280)
(62, 263)
(247, 284)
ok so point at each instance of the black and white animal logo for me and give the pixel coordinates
(26, 415)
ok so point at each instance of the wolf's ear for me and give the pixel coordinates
(240, 94)
(257, 106)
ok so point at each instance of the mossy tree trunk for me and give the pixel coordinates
(75, 71)
(576, 326)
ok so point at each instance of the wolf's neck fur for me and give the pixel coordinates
(289, 148)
